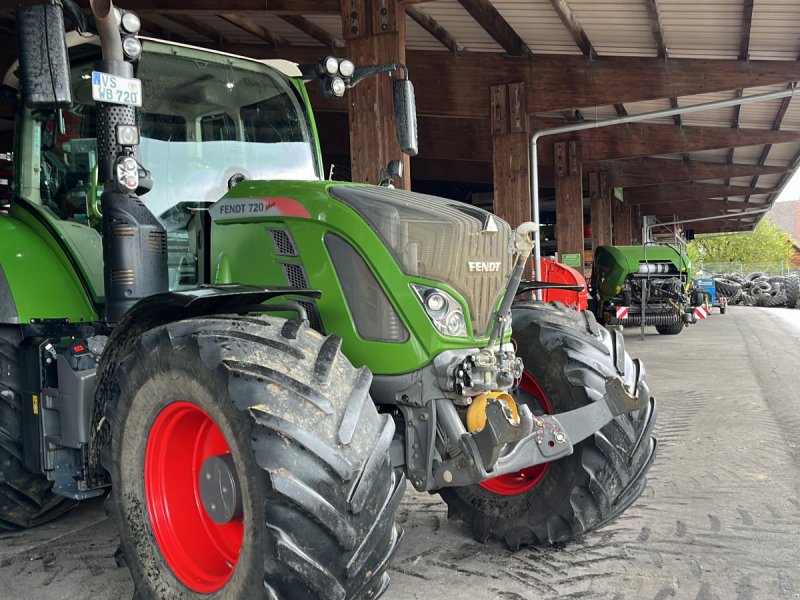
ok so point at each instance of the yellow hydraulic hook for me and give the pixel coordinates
(476, 413)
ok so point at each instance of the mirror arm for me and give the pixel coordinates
(364, 72)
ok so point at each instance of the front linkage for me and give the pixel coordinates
(501, 435)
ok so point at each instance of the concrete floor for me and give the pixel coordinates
(719, 519)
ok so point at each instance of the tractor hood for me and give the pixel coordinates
(442, 240)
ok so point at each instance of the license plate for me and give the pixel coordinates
(115, 89)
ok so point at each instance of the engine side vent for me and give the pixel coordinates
(295, 275)
(122, 277)
(284, 244)
(157, 242)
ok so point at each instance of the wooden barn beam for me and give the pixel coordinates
(622, 223)
(569, 197)
(574, 27)
(279, 7)
(488, 17)
(253, 28)
(713, 204)
(433, 27)
(465, 171)
(313, 30)
(654, 14)
(445, 82)
(374, 32)
(635, 140)
(207, 31)
(510, 155)
(648, 171)
(747, 21)
(655, 194)
(776, 126)
(600, 209)
(155, 30)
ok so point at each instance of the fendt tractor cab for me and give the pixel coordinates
(254, 359)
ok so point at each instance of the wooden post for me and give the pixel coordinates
(600, 208)
(510, 153)
(569, 199)
(374, 32)
(622, 223)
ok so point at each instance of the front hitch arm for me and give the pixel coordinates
(504, 446)
(522, 242)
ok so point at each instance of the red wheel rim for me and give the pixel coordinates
(201, 553)
(524, 480)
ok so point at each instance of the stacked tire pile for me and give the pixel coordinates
(759, 289)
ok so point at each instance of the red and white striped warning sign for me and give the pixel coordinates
(622, 312)
(700, 312)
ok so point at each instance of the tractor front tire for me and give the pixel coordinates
(274, 416)
(670, 328)
(568, 356)
(26, 499)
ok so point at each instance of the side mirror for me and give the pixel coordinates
(405, 112)
(43, 60)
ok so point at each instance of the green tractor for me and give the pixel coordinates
(644, 286)
(253, 359)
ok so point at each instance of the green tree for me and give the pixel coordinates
(767, 243)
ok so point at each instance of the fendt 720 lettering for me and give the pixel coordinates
(254, 360)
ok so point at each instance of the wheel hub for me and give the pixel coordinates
(219, 489)
(200, 545)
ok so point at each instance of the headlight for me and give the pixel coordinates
(331, 65)
(346, 68)
(435, 302)
(444, 312)
(337, 86)
(131, 22)
(131, 47)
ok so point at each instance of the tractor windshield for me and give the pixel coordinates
(204, 122)
(205, 118)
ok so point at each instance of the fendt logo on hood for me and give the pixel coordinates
(483, 267)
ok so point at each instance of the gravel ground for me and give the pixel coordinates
(720, 517)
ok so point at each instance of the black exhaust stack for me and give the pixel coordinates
(134, 241)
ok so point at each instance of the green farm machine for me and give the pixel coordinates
(644, 285)
(254, 360)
